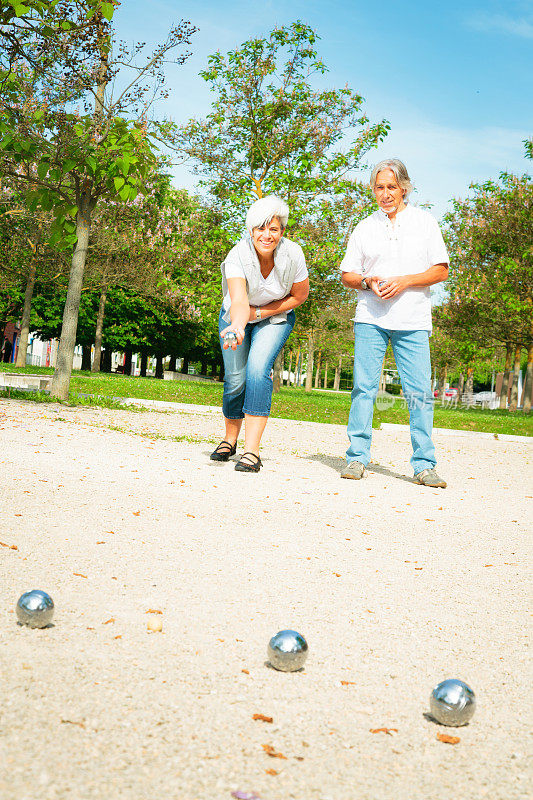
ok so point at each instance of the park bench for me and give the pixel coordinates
(22, 381)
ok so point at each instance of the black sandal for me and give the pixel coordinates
(223, 451)
(245, 464)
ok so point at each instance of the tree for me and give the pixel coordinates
(197, 241)
(270, 131)
(129, 248)
(67, 160)
(491, 280)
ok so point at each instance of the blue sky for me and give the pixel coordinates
(454, 80)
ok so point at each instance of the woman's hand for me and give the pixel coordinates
(239, 333)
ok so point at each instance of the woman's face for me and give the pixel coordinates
(266, 239)
(388, 194)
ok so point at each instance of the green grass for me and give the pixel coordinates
(26, 370)
(291, 403)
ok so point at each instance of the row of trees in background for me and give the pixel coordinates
(97, 248)
(87, 166)
(488, 316)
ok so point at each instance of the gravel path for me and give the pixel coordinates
(395, 587)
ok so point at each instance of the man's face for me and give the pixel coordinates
(388, 194)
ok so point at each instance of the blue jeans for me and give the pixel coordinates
(411, 353)
(247, 381)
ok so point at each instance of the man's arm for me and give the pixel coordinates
(353, 281)
(399, 283)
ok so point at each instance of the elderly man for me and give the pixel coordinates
(393, 257)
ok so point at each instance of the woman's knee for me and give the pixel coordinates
(234, 383)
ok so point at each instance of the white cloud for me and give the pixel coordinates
(501, 23)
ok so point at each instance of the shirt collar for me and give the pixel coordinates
(385, 217)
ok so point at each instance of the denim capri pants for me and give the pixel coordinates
(247, 370)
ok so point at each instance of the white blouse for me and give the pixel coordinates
(269, 288)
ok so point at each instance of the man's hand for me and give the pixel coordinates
(373, 282)
(391, 287)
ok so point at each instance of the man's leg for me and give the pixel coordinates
(369, 352)
(411, 353)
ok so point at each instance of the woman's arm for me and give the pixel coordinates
(239, 310)
(298, 294)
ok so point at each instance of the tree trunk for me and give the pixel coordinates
(297, 367)
(461, 386)
(144, 364)
(325, 384)
(317, 373)
(99, 329)
(443, 387)
(172, 364)
(86, 357)
(513, 405)
(337, 378)
(185, 366)
(26, 311)
(310, 359)
(106, 359)
(59, 385)
(278, 368)
(127, 361)
(505, 377)
(60, 382)
(528, 383)
(159, 366)
(469, 385)
(288, 381)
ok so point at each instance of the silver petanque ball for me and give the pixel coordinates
(287, 651)
(35, 609)
(230, 337)
(452, 702)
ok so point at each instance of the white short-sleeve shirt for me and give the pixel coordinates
(270, 288)
(410, 244)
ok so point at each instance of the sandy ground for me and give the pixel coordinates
(395, 587)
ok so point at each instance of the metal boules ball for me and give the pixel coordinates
(35, 609)
(452, 702)
(287, 651)
(230, 337)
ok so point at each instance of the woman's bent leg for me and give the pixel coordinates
(369, 351)
(253, 431)
(267, 340)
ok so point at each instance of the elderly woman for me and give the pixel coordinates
(264, 278)
(393, 257)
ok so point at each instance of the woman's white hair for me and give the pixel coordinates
(400, 173)
(264, 210)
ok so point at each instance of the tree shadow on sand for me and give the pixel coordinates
(337, 464)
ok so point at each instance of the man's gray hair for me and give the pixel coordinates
(400, 172)
(264, 210)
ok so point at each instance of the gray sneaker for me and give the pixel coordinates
(428, 477)
(354, 470)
